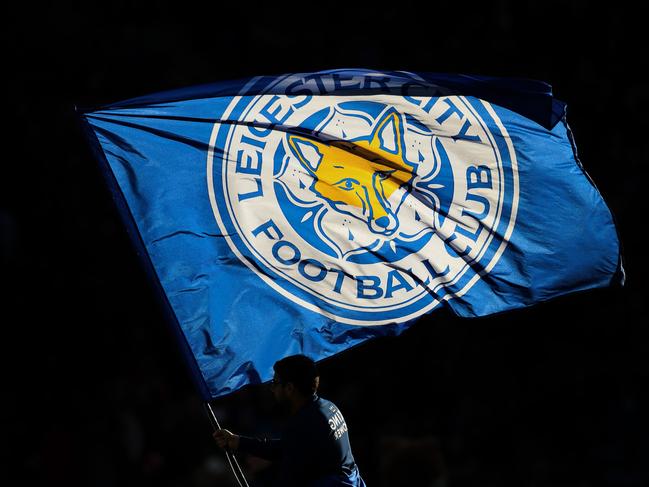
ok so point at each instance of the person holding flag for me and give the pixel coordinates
(314, 449)
(344, 205)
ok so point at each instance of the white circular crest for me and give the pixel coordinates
(368, 210)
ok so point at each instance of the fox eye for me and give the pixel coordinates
(346, 184)
(384, 174)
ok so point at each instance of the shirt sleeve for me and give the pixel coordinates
(299, 457)
(266, 448)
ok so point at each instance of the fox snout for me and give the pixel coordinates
(386, 224)
(377, 212)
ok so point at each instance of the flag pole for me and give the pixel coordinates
(232, 460)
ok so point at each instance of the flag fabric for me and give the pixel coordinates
(307, 213)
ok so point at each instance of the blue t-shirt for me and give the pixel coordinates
(314, 448)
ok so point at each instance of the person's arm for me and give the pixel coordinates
(298, 457)
(266, 448)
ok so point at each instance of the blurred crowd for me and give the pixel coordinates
(507, 400)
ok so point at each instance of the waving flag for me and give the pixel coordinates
(306, 213)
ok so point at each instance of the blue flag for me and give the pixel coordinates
(307, 213)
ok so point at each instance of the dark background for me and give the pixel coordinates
(94, 392)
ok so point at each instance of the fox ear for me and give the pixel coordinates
(306, 151)
(387, 135)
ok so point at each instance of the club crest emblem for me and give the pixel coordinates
(367, 210)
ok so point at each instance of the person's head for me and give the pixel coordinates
(296, 378)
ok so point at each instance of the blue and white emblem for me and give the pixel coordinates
(366, 209)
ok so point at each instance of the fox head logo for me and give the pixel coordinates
(370, 174)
